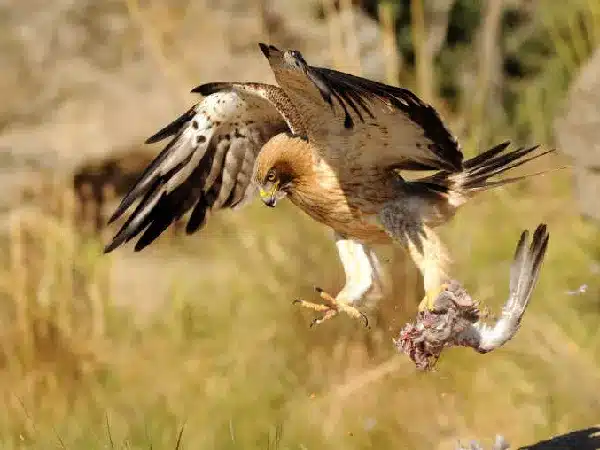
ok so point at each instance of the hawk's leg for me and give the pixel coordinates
(423, 245)
(363, 276)
(429, 255)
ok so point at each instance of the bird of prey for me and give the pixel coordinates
(339, 147)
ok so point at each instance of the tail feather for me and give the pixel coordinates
(505, 181)
(479, 170)
(491, 166)
(488, 154)
(481, 180)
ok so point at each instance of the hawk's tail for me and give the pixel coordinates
(478, 171)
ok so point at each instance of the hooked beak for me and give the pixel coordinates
(270, 201)
(269, 198)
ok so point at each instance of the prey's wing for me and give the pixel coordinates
(455, 319)
(524, 274)
(206, 166)
(363, 121)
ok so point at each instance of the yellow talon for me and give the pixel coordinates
(331, 309)
(428, 302)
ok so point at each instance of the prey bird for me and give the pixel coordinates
(338, 146)
(455, 319)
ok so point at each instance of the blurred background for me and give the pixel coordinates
(196, 336)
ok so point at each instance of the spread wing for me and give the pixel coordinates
(206, 166)
(373, 123)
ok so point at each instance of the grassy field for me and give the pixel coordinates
(233, 364)
(226, 362)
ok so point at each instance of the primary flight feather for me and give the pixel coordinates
(331, 142)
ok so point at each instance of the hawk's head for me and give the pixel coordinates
(280, 165)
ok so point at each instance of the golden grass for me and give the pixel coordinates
(230, 363)
(233, 362)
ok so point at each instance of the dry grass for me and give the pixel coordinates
(230, 358)
(229, 363)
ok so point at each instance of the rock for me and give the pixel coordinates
(84, 83)
(578, 134)
(85, 79)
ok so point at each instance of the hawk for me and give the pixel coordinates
(339, 147)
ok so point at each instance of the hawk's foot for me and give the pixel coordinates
(428, 302)
(331, 309)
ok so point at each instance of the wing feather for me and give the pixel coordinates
(273, 94)
(241, 195)
(206, 166)
(231, 166)
(370, 122)
(172, 128)
(524, 274)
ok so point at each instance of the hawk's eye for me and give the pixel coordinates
(271, 176)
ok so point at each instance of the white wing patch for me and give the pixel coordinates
(206, 166)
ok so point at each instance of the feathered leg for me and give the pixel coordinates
(429, 255)
(363, 276)
(423, 245)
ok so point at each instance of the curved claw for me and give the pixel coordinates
(364, 317)
(317, 321)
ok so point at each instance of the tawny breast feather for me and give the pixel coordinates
(346, 201)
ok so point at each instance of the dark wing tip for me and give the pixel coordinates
(118, 212)
(154, 138)
(209, 88)
(542, 229)
(521, 244)
(351, 90)
(197, 218)
(541, 236)
(122, 236)
(110, 247)
(264, 48)
(445, 145)
(537, 251)
(486, 155)
(129, 199)
(172, 128)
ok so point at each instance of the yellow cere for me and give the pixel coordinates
(269, 193)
